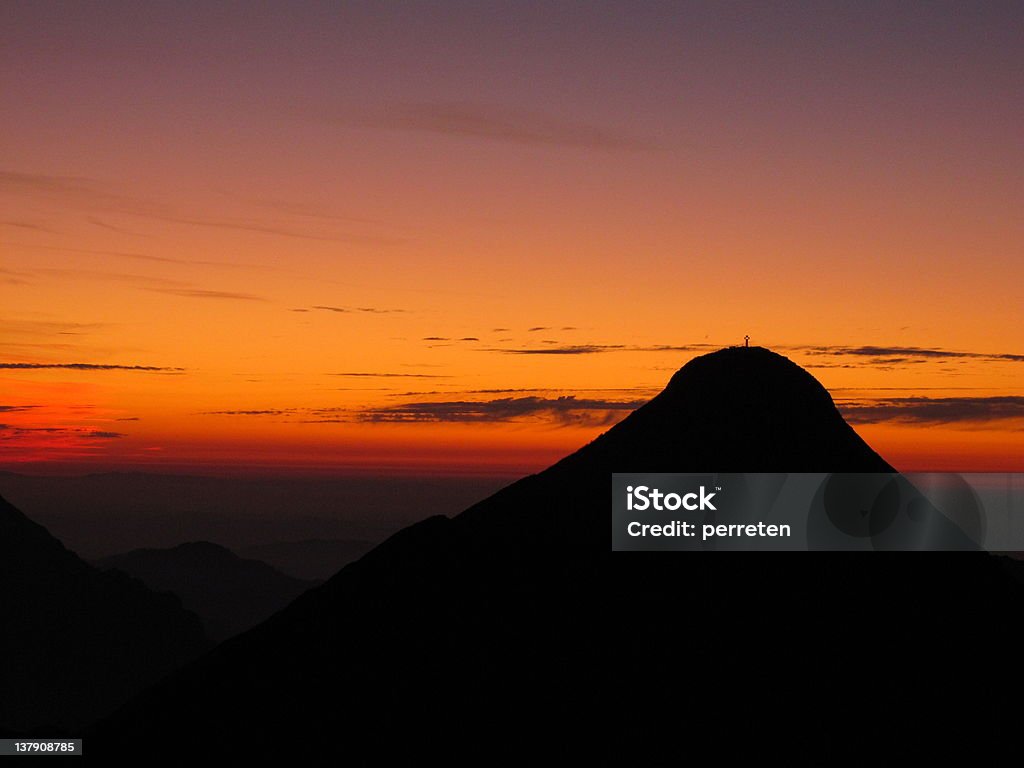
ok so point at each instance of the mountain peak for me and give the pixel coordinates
(733, 360)
(739, 409)
(744, 377)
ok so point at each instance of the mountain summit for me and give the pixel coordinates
(741, 409)
(512, 631)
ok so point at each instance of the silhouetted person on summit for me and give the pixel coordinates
(746, 341)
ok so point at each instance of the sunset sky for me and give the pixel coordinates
(468, 237)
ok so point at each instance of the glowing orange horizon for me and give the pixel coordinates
(327, 239)
(153, 422)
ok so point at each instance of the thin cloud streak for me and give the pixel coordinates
(84, 194)
(156, 284)
(86, 367)
(592, 349)
(934, 410)
(135, 256)
(388, 375)
(649, 392)
(565, 410)
(39, 182)
(104, 225)
(561, 410)
(469, 120)
(28, 225)
(9, 432)
(895, 354)
(198, 293)
(349, 310)
(583, 349)
(142, 281)
(263, 412)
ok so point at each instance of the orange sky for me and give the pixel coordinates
(459, 201)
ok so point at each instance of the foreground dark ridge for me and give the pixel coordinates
(513, 632)
(76, 642)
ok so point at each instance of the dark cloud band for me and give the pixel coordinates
(934, 410)
(86, 367)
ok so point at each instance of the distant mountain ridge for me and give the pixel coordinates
(98, 515)
(512, 633)
(75, 642)
(315, 559)
(229, 593)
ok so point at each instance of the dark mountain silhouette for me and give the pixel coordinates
(76, 642)
(513, 633)
(739, 407)
(230, 594)
(309, 559)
